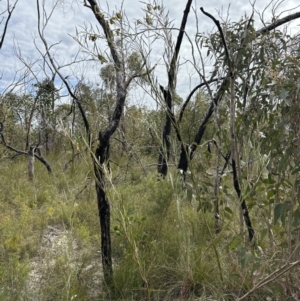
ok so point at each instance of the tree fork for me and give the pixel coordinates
(164, 155)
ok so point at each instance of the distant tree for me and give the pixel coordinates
(46, 96)
(17, 114)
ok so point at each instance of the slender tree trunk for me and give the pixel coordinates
(236, 168)
(244, 207)
(47, 141)
(164, 153)
(100, 162)
(165, 149)
(29, 121)
(31, 163)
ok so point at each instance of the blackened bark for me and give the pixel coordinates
(193, 92)
(231, 70)
(101, 157)
(277, 23)
(165, 149)
(47, 141)
(242, 200)
(184, 161)
(102, 151)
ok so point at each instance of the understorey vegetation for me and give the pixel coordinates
(180, 194)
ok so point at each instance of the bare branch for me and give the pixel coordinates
(270, 278)
(21, 152)
(63, 78)
(10, 11)
(217, 22)
(192, 93)
(139, 75)
(277, 23)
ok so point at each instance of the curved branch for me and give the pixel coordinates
(217, 22)
(171, 73)
(105, 135)
(44, 161)
(21, 152)
(139, 75)
(277, 23)
(192, 93)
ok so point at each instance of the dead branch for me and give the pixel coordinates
(10, 11)
(26, 153)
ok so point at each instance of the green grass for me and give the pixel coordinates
(163, 248)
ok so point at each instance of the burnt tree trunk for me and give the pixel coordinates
(187, 152)
(165, 149)
(102, 151)
(100, 160)
(243, 202)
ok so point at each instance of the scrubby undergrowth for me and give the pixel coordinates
(164, 247)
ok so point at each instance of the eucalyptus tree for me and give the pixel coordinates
(237, 54)
(115, 35)
(233, 48)
(15, 113)
(46, 98)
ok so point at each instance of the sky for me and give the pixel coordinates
(70, 16)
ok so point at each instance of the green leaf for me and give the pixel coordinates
(149, 20)
(284, 96)
(245, 257)
(227, 209)
(269, 181)
(102, 59)
(277, 212)
(281, 210)
(93, 37)
(271, 193)
(287, 183)
(235, 242)
(119, 16)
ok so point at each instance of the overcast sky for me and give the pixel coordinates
(71, 15)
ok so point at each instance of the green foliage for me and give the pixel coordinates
(164, 240)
